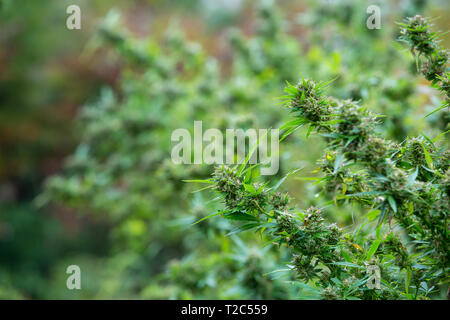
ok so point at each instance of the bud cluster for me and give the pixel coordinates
(416, 32)
(306, 100)
(407, 183)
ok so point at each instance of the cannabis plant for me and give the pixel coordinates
(403, 187)
(121, 174)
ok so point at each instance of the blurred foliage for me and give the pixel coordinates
(119, 207)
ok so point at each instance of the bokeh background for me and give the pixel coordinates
(86, 117)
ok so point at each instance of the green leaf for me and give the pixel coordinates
(372, 215)
(255, 145)
(382, 214)
(426, 138)
(407, 280)
(346, 256)
(240, 216)
(338, 162)
(200, 181)
(373, 248)
(244, 227)
(208, 187)
(280, 273)
(364, 194)
(347, 264)
(208, 216)
(249, 188)
(307, 178)
(428, 158)
(436, 110)
(392, 203)
(290, 130)
(413, 176)
(249, 172)
(311, 127)
(442, 134)
(284, 178)
(378, 232)
(302, 98)
(293, 123)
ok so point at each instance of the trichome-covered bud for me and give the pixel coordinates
(354, 120)
(307, 101)
(228, 183)
(375, 150)
(286, 223)
(279, 201)
(334, 234)
(394, 246)
(445, 85)
(304, 267)
(256, 200)
(414, 153)
(329, 294)
(416, 32)
(435, 66)
(313, 219)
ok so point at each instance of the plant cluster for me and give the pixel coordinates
(431, 58)
(405, 187)
(135, 213)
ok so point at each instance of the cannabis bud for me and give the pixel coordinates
(306, 100)
(415, 32)
(279, 201)
(228, 183)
